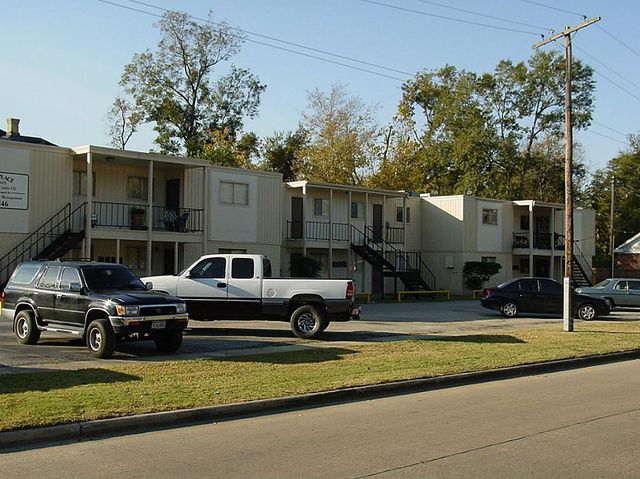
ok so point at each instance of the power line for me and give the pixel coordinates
(635, 52)
(584, 52)
(298, 45)
(273, 46)
(492, 17)
(543, 5)
(452, 19)
(606, 136)
(609, 128)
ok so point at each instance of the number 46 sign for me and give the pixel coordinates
(14, 191)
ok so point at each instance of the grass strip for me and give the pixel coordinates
(47, 398)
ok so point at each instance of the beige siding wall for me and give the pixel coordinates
(270, 216)
(442, 224)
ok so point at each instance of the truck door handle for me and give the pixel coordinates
(222, 285)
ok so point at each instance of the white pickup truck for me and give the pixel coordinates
(240, 286)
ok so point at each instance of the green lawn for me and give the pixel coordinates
(46, 398)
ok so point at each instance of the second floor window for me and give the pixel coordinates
(399, 210)
(320, 207)
(234, 193)
(489, 216)
(137, 188)
(80, 183)
(357, 210)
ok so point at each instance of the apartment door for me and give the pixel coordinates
(172, 194)
(377, 223)
(297, 218)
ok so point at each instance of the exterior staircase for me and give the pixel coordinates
(580, 270)
(55, 238)
(392, 262)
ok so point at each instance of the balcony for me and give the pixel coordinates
(540, 241)
(134, 217)
(325, 231)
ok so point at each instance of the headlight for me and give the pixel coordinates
(181, 308)
(127, 310)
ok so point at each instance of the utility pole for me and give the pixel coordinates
(567, 316)
(612, 238)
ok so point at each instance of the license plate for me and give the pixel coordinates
(158, 324)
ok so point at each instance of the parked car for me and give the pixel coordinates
(240, 286)
(540, 295)
(616, 291)
(101, 302)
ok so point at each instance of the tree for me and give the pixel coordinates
(174, 86)
(304, 267)
(123, 120)
(342, 134)
(220, 149)
(283, 153)
(477, 273)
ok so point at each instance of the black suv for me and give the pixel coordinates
(101, 302)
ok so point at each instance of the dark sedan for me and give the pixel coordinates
(540, 295)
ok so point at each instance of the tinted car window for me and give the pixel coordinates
(603, 284)
(620, 285)
(69, 275)
(548, 286)
(106, 278)
(242, 268)
(50, 277)
(210, 268)
(25, 273)
(529, 285)
(266, 268)
(635, 285)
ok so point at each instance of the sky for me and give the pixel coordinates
(62, 59)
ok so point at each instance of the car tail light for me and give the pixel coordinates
(349, 290)
(486, 292)
(1, 300)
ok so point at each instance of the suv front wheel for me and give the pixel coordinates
(101, 339)
(26, 329)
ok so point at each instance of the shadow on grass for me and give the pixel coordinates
(373, 336)
(49, 381)
(481, 339)
(307, 355)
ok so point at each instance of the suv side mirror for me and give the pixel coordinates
(149, 285)
(75, 287)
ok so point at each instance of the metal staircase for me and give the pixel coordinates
(56, 237)
(580, 270)
(392, 262)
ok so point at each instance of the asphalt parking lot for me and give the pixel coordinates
(379, 322)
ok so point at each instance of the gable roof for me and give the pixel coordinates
(632, 245)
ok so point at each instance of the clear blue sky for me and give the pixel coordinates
(62, 59)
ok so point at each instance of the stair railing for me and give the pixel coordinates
(582, 262)
(29, 248)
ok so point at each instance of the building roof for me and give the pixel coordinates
(36, 140)
(632, 245)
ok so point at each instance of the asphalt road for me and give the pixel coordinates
(379, 322)
(581, 423)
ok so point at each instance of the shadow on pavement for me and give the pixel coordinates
(12, 383)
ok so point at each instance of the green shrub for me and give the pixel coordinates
(477, 273)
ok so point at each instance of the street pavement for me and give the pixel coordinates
(581, 423)
(379, 322)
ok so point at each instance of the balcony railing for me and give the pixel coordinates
(540, 241)
(324, 231)
(135, 217)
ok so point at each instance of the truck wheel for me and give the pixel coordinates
(168, 342)
(26, 329)
(307, 322)
(101, 339)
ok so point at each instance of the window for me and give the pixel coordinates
(50, 277)
(488, 259)
(80, 183)
(266, 268)
(549, 286)
(69, 276)
(529, 285)
(524, 265)
(320, 207)
(524, 222)
(242, 268)
(357, 210)
(234, 193)
(489, 216)
(399, 214)
(137, 188)
(25, 273)
(621, 285)
(210, 268)
(635, 285)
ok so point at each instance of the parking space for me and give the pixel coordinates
(379, 322)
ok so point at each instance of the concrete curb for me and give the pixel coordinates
(182, 417)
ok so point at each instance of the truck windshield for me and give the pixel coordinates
(106, 278)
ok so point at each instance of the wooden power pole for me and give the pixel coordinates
(567, 314)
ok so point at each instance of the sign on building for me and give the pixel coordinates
(14, 191)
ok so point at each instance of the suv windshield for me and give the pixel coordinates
(110, 278)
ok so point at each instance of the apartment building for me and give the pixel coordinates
(158, 213)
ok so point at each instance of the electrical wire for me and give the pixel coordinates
(452, 19)
(584, 52)
(609, 128)
(635, 52)
(540, 4)
(115, 4)
(606, 136)
(483, 15)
